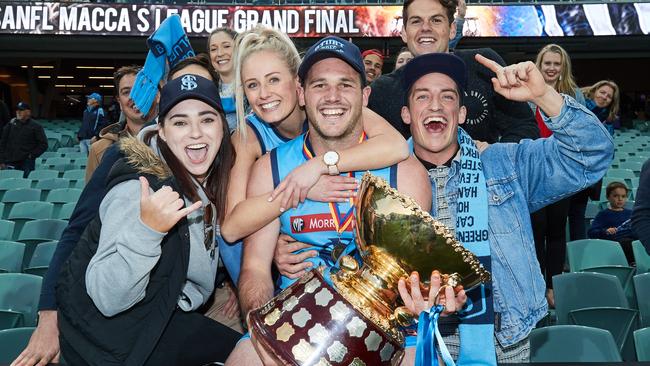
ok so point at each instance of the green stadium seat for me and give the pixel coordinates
(11, 256)
(641, 257)
(76, 155)
(13, 183)
(642, 343)
(79, 184)
(36, 175)
(47, 185)
(625, 174)
(61, 196)
(41, 258)
(67, 139)
(636, 159)
(633, 166)
(39, 231)
(53, 143)
(75, 174)
(7, 229)
(22, 212)
(589, 253)
(66, 211)
(581, 290)
(572, 343)
(14, 196)
(65, 150)
(11, 173)
(618, 321)
(13, 342)
(20, 293)
(602, 256)
(642, 288)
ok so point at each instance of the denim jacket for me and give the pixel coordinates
(522, 178)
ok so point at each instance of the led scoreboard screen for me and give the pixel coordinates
(317, 21)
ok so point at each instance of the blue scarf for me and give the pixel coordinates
(168, 43)
(477, 319)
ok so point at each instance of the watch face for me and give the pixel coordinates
(331, 158)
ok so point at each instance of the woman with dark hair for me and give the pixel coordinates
(131, 290)
(221, 47)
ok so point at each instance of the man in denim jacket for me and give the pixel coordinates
(518, 179)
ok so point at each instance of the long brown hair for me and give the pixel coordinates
(216, 183)
(566, 83)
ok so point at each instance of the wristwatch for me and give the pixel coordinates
(331, 159)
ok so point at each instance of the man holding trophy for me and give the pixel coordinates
(486, 196)
(333, 92)
(480, 198)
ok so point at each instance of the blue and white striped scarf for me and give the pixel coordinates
(477, 319)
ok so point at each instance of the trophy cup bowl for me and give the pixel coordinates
(359, 321)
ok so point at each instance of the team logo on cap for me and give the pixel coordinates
(330, 44)
(188, 82)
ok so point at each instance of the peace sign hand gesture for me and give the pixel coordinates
(523, 82)
(162, 209)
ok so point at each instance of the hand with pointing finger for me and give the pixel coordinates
(523, 82)
(162, 209)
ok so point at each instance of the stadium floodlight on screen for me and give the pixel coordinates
(316, 21)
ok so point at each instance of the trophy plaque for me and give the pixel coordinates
(358, 320)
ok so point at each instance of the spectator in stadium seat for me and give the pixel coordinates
(613, 223)
(603, 99)
(403, 57)
(428, 27)
(138, 291)
(373, 61)
(44, 344)
(22, 141)
(513, 180)
(221, 48)
(123, 80)
(94, 119)
(641, 212)
(459, 21)
(549, 223)
(267, 78)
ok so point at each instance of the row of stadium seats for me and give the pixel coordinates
(599, 267)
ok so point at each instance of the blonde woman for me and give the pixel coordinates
(603, 100)
(549, 223)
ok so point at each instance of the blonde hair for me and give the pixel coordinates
(255, 40)
(565, 83)
(590, 91)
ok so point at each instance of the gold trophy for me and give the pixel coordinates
(358, 322)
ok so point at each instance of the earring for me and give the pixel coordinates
(560, 77)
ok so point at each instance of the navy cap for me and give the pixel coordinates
(333, 46)
(189, 86)
(22, 106)
(444, 63)
(96, 96)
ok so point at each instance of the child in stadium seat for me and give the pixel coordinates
(613, 223)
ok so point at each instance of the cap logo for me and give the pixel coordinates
(188, 82)
(330, 44)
